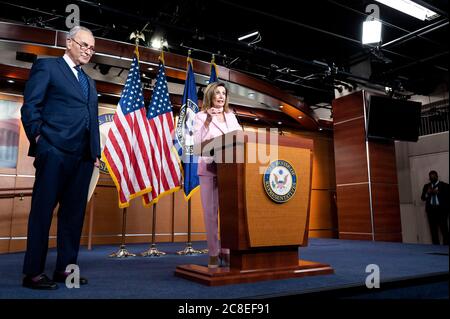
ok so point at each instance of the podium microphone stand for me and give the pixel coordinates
(189, 250)
(153, 251)
(123, 252)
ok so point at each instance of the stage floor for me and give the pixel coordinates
(153, 277)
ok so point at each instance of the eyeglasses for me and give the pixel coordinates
(84, 47)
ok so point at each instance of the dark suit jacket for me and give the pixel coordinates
(55, 108)
(443, 195)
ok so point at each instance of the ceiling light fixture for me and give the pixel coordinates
(371, 32)
(411, 8)
(248, 35)
(255, 34)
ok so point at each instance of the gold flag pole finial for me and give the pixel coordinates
(213, 59)
(161, 57)
(136, 35)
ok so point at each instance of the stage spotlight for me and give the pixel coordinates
(371, 32)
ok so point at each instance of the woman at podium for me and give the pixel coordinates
(213, 120)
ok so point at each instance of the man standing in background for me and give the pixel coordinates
(60, 118)
(436, 196)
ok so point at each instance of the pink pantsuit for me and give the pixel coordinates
(207, 172)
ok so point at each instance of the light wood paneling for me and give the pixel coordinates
(386, 209)
(348, 107)
(6, 210)
(272, 224)
(382, 162)
(323, 213)
(354, 209)
(350, 152)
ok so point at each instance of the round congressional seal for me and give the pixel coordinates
(280, 181)
(185, 127)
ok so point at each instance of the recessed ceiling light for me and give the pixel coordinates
(99, 94)
(10, 81)
(279, 123)
(251, 94)
(320, 129)
(300, 117)
(256, 119)
(281, 106)
(150, 68)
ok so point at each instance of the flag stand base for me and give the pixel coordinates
(121, 253)
(153, 252)
(189, 250)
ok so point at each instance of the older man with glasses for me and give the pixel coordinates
(60, 118)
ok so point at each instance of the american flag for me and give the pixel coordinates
(165, 168)
(127, 148)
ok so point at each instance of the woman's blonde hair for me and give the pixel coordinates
(208, 97)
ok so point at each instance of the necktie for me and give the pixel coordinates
(84, 83)
(433, 197)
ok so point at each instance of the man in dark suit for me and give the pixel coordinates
(436, 196)
(60, 118)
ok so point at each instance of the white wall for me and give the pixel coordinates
(414, 161)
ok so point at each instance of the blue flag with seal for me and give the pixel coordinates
(184, 134)
(213, 75)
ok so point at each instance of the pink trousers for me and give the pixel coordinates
(210, 202)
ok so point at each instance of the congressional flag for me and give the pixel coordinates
(127, 148)
(213, 74)
(184, 136)
(164, 166)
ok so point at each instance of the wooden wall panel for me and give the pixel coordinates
(181, 218)
(350, 152)
(386, 209)
(322, 214)
(354, 236)
(381, 209)
(348, 107)
(6, 210)
(27, 33)
(323, 177)
(382, 162)
(354, 209)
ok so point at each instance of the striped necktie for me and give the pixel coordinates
(82, 79)
(84, 83)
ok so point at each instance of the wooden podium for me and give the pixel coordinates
(263, 235)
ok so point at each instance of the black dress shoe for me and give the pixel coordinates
(43, 283)
(61, 277)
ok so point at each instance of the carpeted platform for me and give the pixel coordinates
(153, 278)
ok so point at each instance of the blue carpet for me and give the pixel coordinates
(153, 278)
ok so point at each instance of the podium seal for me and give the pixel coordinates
(280, 181)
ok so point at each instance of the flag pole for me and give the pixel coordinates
(189, 250)
(123, 252)
(153, 251)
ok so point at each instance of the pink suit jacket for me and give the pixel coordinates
(201, 134)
